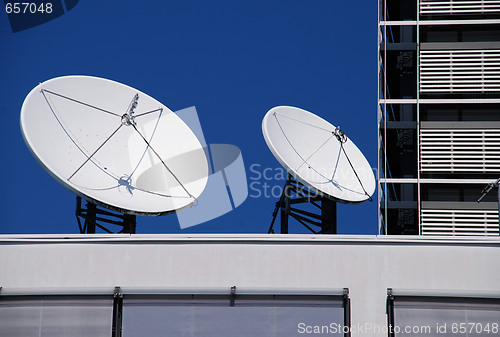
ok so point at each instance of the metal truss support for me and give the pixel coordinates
(96, 217)
(295, 194)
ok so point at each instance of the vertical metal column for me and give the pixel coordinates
(90, 220)
(384, 62)
(129, 223)
(285, 207)
(347, 312)
(390, 313)
(498, 196)
(116, 330)
(328, 216)
(419, 186)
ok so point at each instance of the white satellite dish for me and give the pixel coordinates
(114, 145)
(318, 154)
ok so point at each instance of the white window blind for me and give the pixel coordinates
(460, 150)
(459, 71)
(213, 316)
(462, 7)
(417, 313)
(459, 222)
(56, 316)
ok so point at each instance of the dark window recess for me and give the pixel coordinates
(401, 193)
(459, 112)
(401, 113)
(401, 152)
(455, 192)
(460, 33)
(401, 68)
(460, 175)
(465, 94)
(401, 34)
(402, 216)
(401, 10)
(461, 16)
(402, 221)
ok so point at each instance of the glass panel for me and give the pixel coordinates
(402, 215)
(401, 10)
(460, 112)
(213, 316)
(459, 33)
(401, 148)
(401, 34)
(401, 68)
(402, 113)
(456, 192)
(53, 316)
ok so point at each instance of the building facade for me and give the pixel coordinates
(438, 116)
(248, 285)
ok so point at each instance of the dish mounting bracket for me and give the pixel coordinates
(94, 217)
(294, 194)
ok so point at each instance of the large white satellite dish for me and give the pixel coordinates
(318, 154)
(114, 145)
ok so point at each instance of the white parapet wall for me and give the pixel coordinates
(366, 265)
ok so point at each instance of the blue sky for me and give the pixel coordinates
(233, 60)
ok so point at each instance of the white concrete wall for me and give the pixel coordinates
(367, 265)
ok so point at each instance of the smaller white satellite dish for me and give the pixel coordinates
(114, 145)
(318, 154)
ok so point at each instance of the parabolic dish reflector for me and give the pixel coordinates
(114, 145)
(318, 154)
